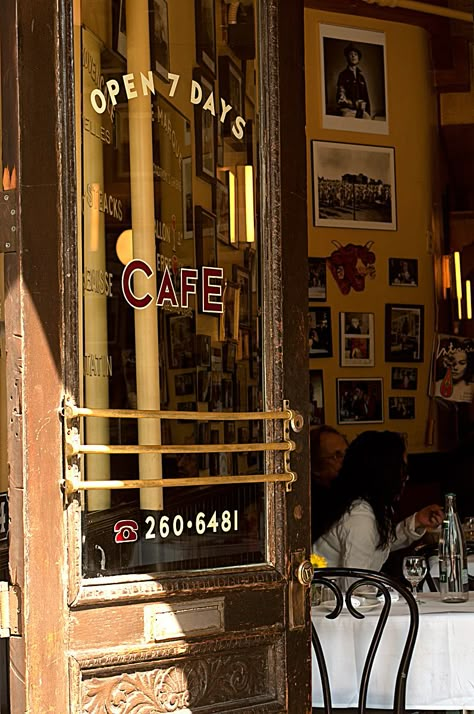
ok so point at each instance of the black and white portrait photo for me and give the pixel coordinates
(403, 272)
(160, 49)
(359, 400)
(320, 332)
(401, 407)
(317, 279)
(353, 82)
(353, 186)
(404, 326)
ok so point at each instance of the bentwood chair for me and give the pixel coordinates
(335, 579)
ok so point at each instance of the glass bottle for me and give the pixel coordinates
(453, 578)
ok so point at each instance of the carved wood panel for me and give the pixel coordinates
(184, 687)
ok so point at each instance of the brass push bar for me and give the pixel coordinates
(74, 448)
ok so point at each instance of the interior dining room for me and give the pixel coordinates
(225, 224)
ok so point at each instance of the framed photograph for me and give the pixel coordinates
(216, 357)
(119, 27)
(187, 185)
(357, 341)
(184, 384)
(401, 407)
(205, 20)
(229, 353)
(353, 186)
(317, 279)
(206, 238)
(316, 397)
(229, 325)
(452, 376)
(403, 272)
(241, 276)
(404, 378)
(205, 127)
(359, 400)
(222, 210)
(181, 341)
(231, 89)
(320, 332)
(159, 40)
(203, 350)
(203, 385)
(354, 79)
(404, 325)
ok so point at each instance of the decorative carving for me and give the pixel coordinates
(149, 589)
(181, 688)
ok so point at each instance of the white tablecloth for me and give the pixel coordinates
(441, 674)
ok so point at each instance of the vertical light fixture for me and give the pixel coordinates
(446, 276)
(468, 300)
(232, 216)
(457, 276)
(246, 204)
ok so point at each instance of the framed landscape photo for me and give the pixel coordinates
(205, 127)
(403, 272)
(359, 400)
(404, 325)
(404, 378)
(353, 186)
(401, 407)
(353, 79)
(317, 279)
(320, 332)
(316, 397)
(357, 344)
(159, 40)
(205, 21)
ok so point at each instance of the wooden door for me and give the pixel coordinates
(180, 593)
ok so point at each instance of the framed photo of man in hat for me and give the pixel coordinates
(353, 81)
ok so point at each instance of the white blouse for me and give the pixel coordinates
(352, 541)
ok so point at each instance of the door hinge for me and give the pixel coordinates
(8, 221)
(9, 610)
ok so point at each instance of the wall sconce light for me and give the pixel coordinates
(446, 276)
(468, 300)
(458, 281)
(124, 246)
(246, 203)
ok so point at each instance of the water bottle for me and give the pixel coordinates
(453, 578)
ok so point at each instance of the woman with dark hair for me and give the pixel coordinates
(358, 530)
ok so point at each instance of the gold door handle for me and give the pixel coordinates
(304, 573)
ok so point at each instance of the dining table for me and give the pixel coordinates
(441, 673)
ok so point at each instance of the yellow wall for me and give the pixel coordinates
(411, 112)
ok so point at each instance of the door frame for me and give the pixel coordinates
(42, 295)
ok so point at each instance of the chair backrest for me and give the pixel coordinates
(335, 579)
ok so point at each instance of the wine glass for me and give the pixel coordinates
(415, 568)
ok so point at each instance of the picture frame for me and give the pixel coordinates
(317, 279)
(403, 272)
(404, 333)
(203, 350)
(222, 210)
(359, 401)
(320, 332)
(187, 186)
(404, 378)
(401, 407)
(185, 384)
(316, 397)
(159, 39)
(181, 341)
(353, 186)
(206, 237)
(241, 276)
(119, 27)
(205, 127)
(203, 385)
(229, 354)
(353, 86)
(357, 341)
(231, 90)
(229, 322)
(205, 21)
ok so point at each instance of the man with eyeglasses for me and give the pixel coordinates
(328, 447)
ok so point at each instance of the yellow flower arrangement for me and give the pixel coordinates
(318, 561)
